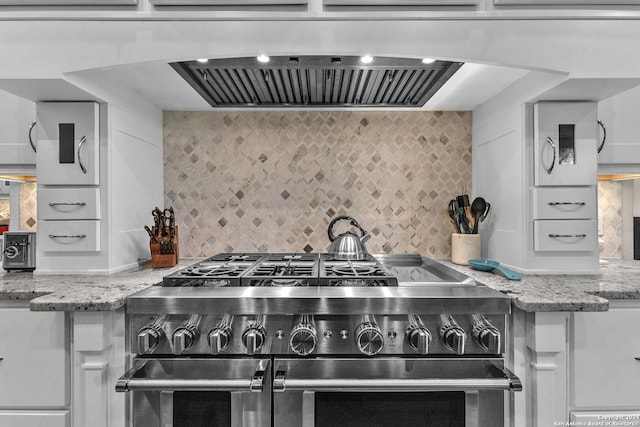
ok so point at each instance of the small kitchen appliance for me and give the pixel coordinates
(347, 245)
(305, 339)
(19, 250)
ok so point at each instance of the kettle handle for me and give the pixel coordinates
(353, 222)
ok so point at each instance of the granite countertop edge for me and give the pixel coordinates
(619, 280)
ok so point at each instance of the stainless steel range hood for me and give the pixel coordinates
(316, 81)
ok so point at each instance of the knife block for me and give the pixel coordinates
(160, 260)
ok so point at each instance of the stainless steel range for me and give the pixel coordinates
(310, 340)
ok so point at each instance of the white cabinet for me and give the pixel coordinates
(68, 176)
(68, 143)
(565, 143)
(622, 144)
(16, 116)
(35, 368)
(66, 2)
(28, 418)
(551, 3)
(564, 195)
(605, 371)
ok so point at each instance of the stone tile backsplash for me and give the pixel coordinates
(610, 218)
(272, 181)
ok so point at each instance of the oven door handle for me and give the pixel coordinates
(133, 382)
(509, 382)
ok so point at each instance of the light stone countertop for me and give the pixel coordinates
(80, 292)
(619, 279)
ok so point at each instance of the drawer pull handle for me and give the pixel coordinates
(553, 162)
(566, 203)
(67, 204)
(67, 236)
(82, 167)
(33, 146)
(604, 135)
(637, 358)
(580, 236)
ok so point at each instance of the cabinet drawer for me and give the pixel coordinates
(34, 371)
(68, 203)
(565, 235)
(69, 236)
(34, 418)
(564, 203)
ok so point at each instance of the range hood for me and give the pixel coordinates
(316, 81)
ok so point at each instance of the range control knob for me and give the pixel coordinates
(253, 338)
(369, 338)
(303, 337)
(150, 336)
(453, 336)
(487, 335)
(186, 335)
(418, 336)
(221, 335)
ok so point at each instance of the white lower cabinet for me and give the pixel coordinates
(605, 370)
(34, 418)
(35, 368)
(59, 369)
(34, 371)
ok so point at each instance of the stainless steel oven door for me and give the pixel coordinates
(198, 392)
(391, 392)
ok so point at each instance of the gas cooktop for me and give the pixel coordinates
(282, 269)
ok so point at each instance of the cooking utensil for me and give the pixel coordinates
(348, 246)
(478, 209)
(157, 220)
(454, 215)
(484, 215)
(153, 238)
(447, 213)
(491, 265)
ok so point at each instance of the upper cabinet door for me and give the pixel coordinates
(565, 143)
(68, 143)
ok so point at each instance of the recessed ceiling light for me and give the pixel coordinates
(428, 60)
(202, 60)
(263, 58)
(367, 59)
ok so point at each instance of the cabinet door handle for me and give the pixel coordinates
(553, 161)
(604, 135)
(566, 203)
(67, 204)
(580, 236)
(637, 358)
(33, 146)
(67, 236)
(82, 142)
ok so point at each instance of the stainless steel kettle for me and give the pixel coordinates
(348, 246)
